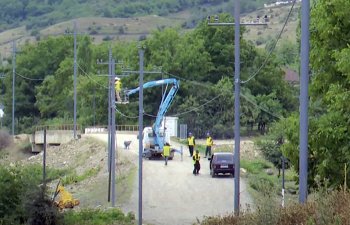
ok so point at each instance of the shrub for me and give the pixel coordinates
(331, 208)
(107, 38)
(41, 210)
(21, 199)
(5, 139)
(96, 216)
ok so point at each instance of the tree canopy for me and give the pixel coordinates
(329, 93)
(201, 59)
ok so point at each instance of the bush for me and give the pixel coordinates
(96, 216)
(21, 199)
(331, 208)
(107, 38)
(41, 210)
(5, 139)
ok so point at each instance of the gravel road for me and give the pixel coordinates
(173, 195)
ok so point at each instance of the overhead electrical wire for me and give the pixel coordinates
(207, 86)
(27, 78)
(273, 47)
(90, 78)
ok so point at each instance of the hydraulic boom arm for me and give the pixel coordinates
(164, 105)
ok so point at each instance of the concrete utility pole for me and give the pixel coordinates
(141, 53)
(304, 99)
(75, 80)
(141, 72)
(237, 82)
(237, 106)
(112, 141)
(109, 122)
(113, 138)
(13, 85)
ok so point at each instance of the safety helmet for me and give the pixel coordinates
(190, 133)
(116, 78)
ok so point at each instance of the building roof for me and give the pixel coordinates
(291, 76)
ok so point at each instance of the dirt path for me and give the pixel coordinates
(173, 195)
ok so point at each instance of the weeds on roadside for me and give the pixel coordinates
(328, 208)
(98, 217)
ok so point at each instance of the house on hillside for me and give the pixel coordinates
(291, 76)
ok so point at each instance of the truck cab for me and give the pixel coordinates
(148, 141)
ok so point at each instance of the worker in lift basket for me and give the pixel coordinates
(191, 143)
(166, 152)
(118, 88)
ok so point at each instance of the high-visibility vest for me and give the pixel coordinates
(118, 85)
(166, 150)
(209, 141)
(191, 141)
(196, 157)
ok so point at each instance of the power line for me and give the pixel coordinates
(273, 47)
(256, 105)
(122, 114)
(207, 86)
(88, 76)
(27, 78)
(195, 108)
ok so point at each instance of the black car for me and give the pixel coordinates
(222, 162)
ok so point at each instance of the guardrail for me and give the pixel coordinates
(57, 127)
(127, 127)
(104, 129)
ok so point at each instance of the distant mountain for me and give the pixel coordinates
(43, 13)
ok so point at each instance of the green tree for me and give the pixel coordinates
(329, 111)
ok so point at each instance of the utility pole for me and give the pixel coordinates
(304, 99)
(237, 82)
(237, 106)
(141, 73)
(141, 54)
(113, 138)
(112, 141)
(75, 80)
(283, 160)
(13, 85)
(2, 76)
(109, 122)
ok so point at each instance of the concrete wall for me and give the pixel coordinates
(54, 136)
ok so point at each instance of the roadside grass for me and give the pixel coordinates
(73, 177)
(125, 184)
(261, 183)
(328, 207)
(98, 217)
(36, 172)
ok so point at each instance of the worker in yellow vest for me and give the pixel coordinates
(191, 143)
(209, 143)
(166, 152)
(118, 88)
(196, 164)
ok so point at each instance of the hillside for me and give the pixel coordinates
(42, 13)
(133, 28)
(99, 28)
(262, 35)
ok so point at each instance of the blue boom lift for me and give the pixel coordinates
(154, 137)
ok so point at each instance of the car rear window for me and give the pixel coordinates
(224, 157)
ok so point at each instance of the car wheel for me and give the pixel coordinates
(212, 173)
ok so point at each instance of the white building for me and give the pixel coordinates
(171, 125)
